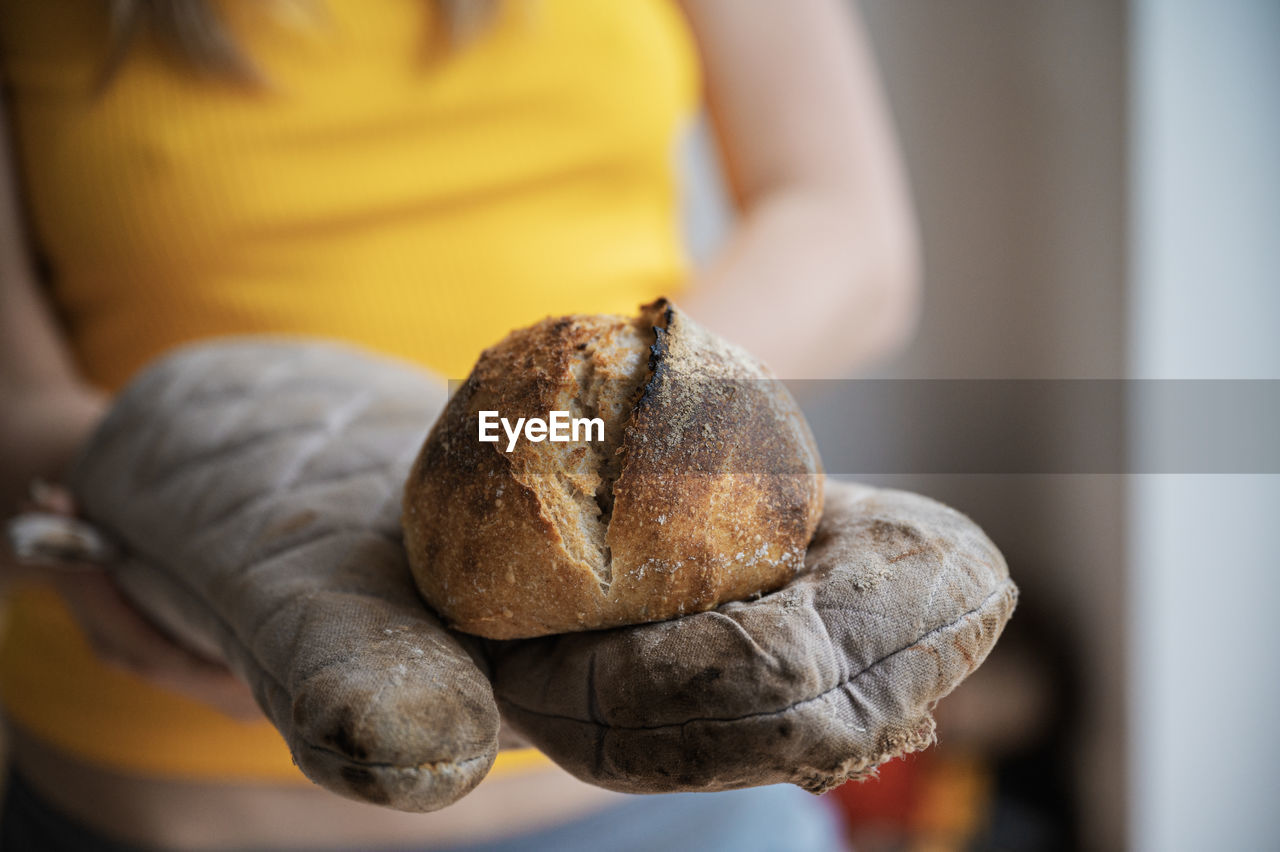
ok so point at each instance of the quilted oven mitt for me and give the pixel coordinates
(256, 485)
(815, 684)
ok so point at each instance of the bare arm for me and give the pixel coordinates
(820, 274)
(48, 410)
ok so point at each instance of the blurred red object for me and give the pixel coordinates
(885, 799)
(927, 801)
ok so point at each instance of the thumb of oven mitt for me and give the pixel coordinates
(817, 683)
(255, 487)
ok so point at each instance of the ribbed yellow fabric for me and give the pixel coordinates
(379, 190)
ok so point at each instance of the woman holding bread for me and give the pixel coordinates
(417, 177)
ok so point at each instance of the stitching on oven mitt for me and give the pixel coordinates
(814, 684)
(256, 485)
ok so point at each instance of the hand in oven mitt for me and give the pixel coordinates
(822, 681)
(255, 486)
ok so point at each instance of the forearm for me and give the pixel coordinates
(820, 275)
(40, 431)
(811, 285)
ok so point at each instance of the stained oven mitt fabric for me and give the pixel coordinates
(820, 682)
(256, 487)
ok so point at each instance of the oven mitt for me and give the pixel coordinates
(817, 683)
(255, 488)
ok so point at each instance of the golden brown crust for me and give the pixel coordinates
(706, 488)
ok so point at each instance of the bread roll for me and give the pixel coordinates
(706, 487)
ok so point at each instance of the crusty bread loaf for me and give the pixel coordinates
(705, 489)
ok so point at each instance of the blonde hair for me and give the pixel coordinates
(192, 31)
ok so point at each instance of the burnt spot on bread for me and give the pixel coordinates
(662, 312)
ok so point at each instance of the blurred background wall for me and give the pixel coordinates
(1205, 303)
(1098, 186)
(1012, 117)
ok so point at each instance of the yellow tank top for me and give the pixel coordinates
(378, 190)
